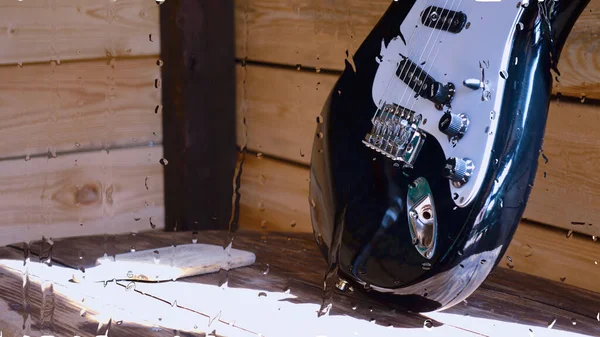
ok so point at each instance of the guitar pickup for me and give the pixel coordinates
(423, 84)
(444, 19)
(396, 134)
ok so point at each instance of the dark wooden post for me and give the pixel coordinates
(198, 81)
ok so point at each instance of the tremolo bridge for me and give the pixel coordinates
(396, 134)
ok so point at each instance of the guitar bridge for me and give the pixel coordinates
(396, 134)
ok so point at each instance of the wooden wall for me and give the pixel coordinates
(294, 50)
(80, 131)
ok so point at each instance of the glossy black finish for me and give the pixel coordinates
(359, 196)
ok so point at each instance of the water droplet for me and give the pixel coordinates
(313, 204)
(487, 129)
(426, 266)
(263, 224)
(551, 323)
(302, 153)
(516, 60)
(27, 157)
(156, 257)
(483, 261)
(136, 217)
(504, 74)
(319, 119)
(354, 306)
(594, 238)
(158, 109)
(157, 83)
(262, 179)
(293, 224)
(159, 62)
(266, 269)
(262, 294)
(20, 64)
(487, 95)
(520, 26)
(320, 135)
(150, 37)
(573, 321)
(152, 225)
(132, 249)
(428, 324)
(259, 155)
(163, 162)
(569, 233)
(509, 258)
(582, 98)
(131, 285)
(194, 237)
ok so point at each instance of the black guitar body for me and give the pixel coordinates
(359, 197)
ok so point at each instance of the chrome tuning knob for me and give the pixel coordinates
(454, 125)
(459, 170)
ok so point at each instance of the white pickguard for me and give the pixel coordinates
(453, 58)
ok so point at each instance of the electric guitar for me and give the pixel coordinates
(427, 148)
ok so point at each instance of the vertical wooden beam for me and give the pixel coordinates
(198, 84)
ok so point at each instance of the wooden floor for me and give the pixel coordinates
(279, 295)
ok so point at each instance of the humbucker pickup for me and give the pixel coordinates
(396, 134)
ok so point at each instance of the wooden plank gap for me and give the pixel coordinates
(79, 151)
(82, 60)
(297, 67)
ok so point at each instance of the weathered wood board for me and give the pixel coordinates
(81, 194)
(63, 30)
(79, 106)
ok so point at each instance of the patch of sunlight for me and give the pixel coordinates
(195, 307)
(491, 327)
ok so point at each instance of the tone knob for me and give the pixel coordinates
(459, 170)
(454, 125)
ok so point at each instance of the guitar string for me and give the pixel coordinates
(391, 78)
(432, 63)
(415, 62)
(413, 56)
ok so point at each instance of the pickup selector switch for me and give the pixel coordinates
(454, 125)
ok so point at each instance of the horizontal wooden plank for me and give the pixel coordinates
(567, 185)
(318, 33)
(80, 194)
(280, 107)
(275, 198)
(79, 105)
(44, 30)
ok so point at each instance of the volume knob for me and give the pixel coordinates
(459, 170)
(454, 125)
